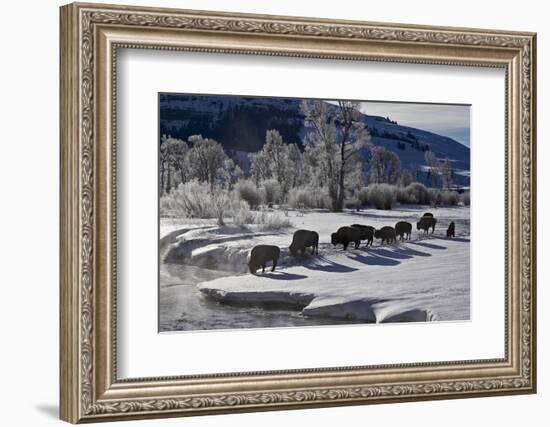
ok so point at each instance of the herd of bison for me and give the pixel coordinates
(302, 239)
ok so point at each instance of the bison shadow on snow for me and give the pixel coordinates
(372, 258)
(320, 263)
(429, 245)
(400, 252)
(454, 239)
(387, 256)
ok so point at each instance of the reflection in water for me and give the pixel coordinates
(183, 307)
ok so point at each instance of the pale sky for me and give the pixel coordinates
(444, 119)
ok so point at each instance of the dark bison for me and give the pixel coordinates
(426, 223)
(451, 230)
(345, 235)
(387, 234)
(403, 229)
(260, 255)
(428, 214)
(366, 232)
(303, 239)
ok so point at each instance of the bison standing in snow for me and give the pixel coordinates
(345, 235)
(387, 234)
(260, 255)
(451, 230)
(366, 232)
(425, 223)
(303, 239)
(403, 229)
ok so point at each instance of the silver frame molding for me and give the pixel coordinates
(90, 37)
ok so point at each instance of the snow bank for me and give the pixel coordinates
(216, 248)
(424, 279)
(414, 281)
(296, 300)
(363, 309)
(367, 310)
(360, 309)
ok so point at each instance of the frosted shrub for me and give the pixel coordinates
(271, 191)
(308, 198)
(435, 197)
(352, 203)
(167, 207)
(270, 221)
(415, 193)
(221, 202)
(382, 196)
(242, 214)
(449, 198)
(248, 192)
(362, 195)
(321, 199)
(405, 197)
(266, 221)
(465, 198)
(192, 199)
(300, 198)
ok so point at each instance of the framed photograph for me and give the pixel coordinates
(267, 212)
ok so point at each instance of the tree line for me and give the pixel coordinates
(338, 159)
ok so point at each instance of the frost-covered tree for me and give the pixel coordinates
(446, 173)
(277, 151)
(276, 160)
(229, 174)
(271, 191)
(320, 150)
(163, 162)
(180, 160)
(207, 159)
(260, 168)
(333, 145)
(385, 166)
(407, 177)
(434, 168)
(172, 158)
(297, 174)
(352, 138)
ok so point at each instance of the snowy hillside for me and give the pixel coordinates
(240, 124)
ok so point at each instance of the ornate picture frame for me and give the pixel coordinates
(90, 37)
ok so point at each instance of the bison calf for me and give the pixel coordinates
(366, 232)
(451, 230)
(345, 235)
(428, 214)
(303, 239)
(387, 234)
(260, 255)
(403, 229)
(425, 223)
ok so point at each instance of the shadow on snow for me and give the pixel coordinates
(282, 275)
(371, 258)
(454, 239)
(428, 245)
(320, 263)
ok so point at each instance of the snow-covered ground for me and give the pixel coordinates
(424, 279)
